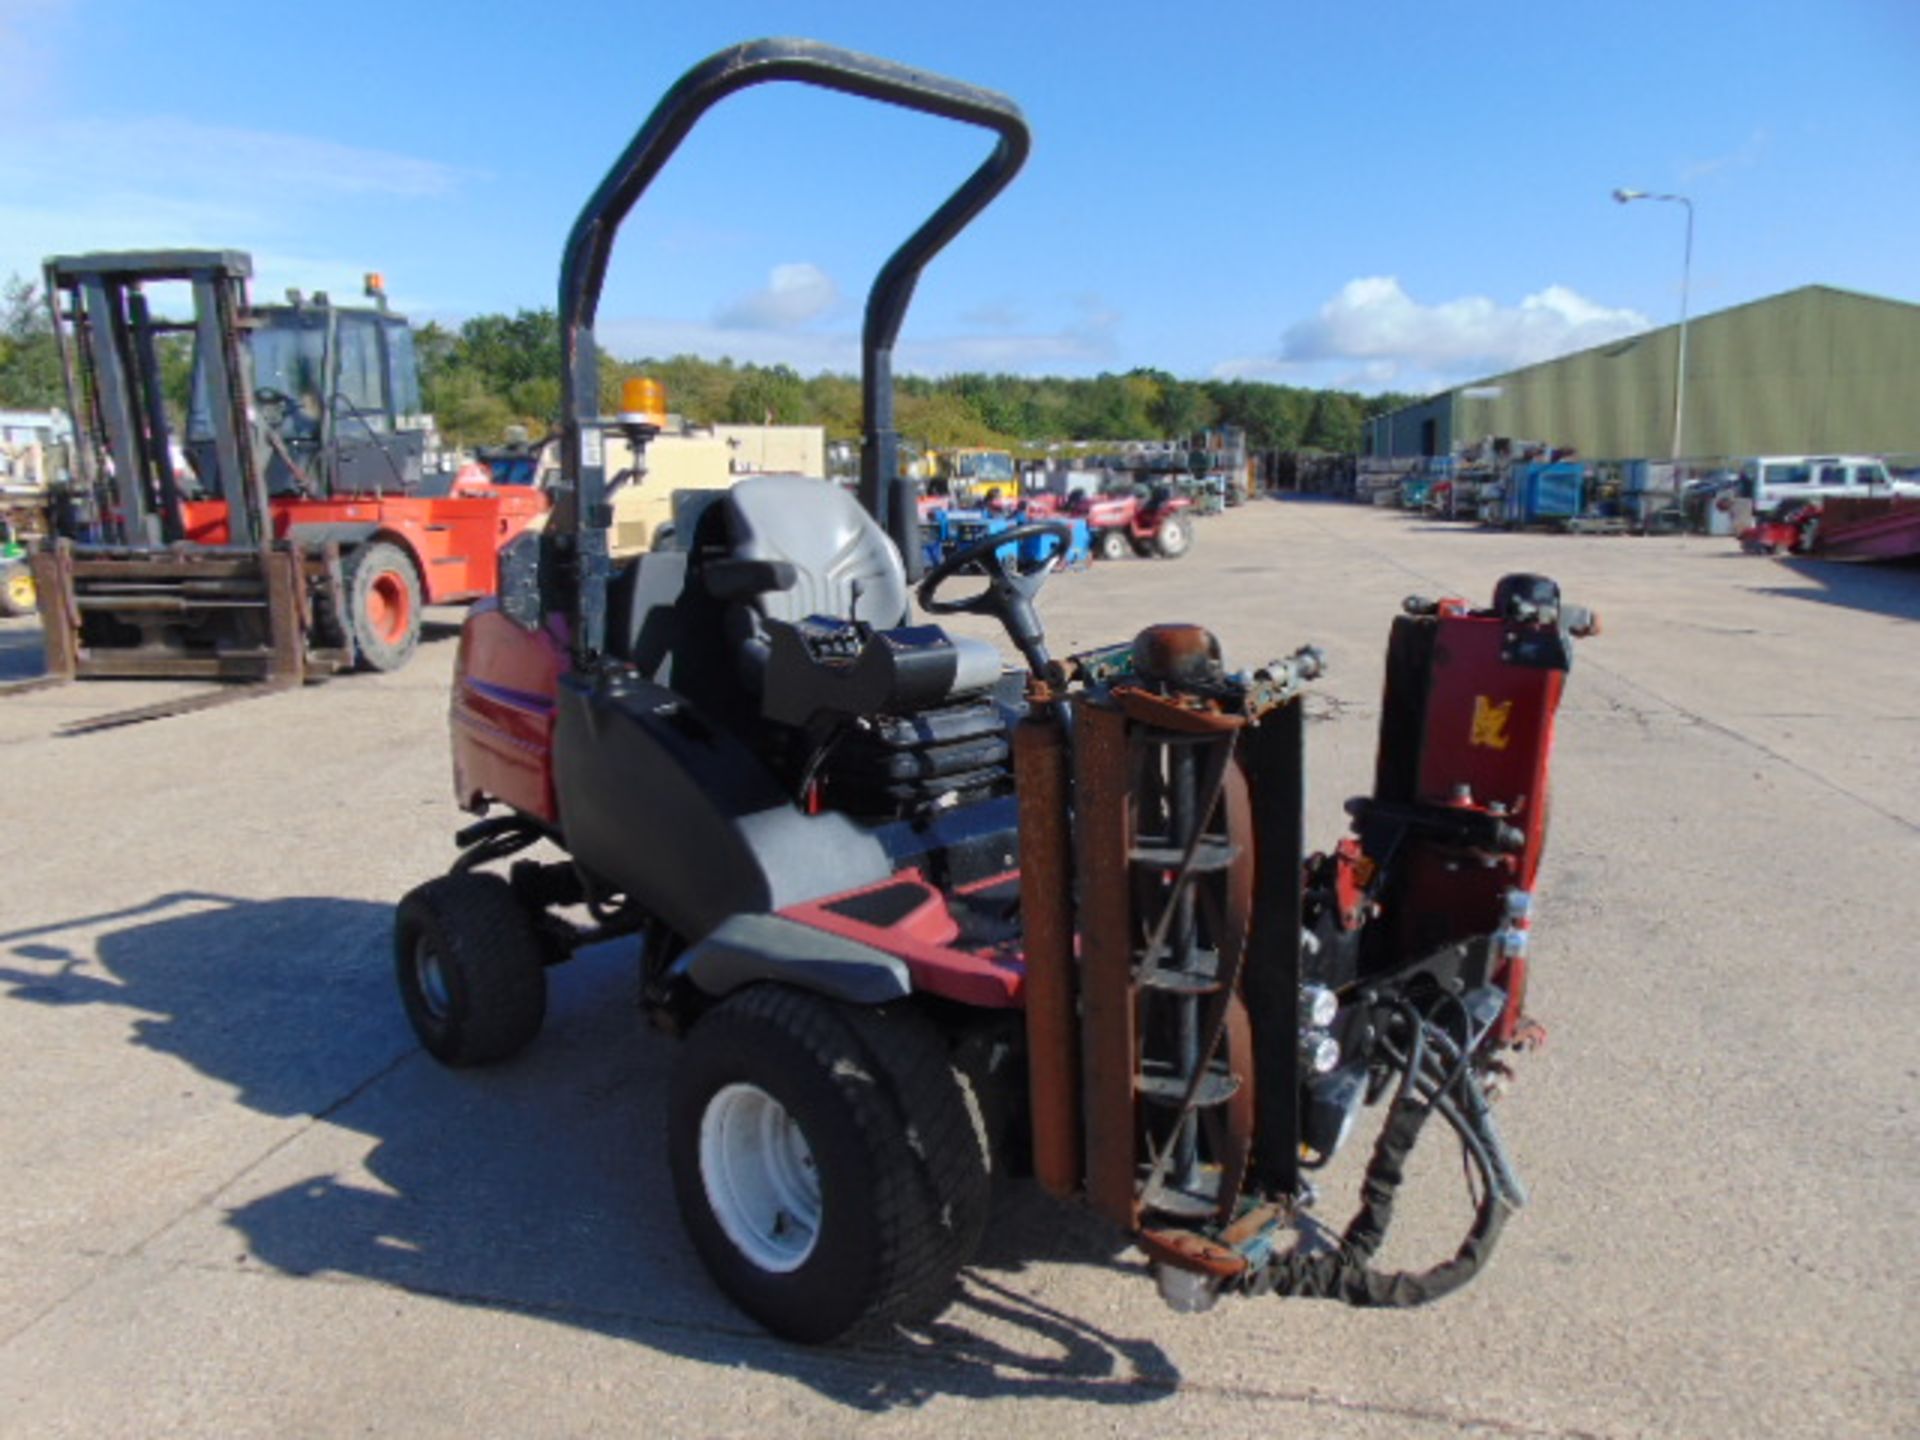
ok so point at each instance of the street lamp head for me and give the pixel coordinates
(1623, 196)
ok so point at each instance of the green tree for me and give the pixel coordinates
(773, 395)
(29, 363)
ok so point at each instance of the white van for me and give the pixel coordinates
(1771, 481)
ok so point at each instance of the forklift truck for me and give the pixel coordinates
(284, 540)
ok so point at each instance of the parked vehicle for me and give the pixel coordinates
(1141, 520)
(288, 537)
(896, 973)
(1772, 482)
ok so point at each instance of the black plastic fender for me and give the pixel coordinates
(312, 534)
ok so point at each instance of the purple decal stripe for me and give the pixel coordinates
(507, 695)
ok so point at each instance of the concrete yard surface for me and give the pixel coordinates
(237, 1199)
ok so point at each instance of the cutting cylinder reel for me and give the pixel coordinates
(1230, 1005)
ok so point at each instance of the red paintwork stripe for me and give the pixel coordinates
(972, 979)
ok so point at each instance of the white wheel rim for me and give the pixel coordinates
(435, 993)
(760, 1178)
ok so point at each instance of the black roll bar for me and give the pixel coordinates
(581, 515)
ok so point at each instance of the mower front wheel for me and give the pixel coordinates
(471, 969)
(1111, 545)
(383, 605)
(830, 1163)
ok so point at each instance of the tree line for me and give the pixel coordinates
(498, 370)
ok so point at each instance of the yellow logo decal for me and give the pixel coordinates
(1490, 723)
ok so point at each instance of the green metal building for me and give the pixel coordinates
(1814, 371)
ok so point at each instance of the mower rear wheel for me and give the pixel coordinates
(471, 969)
(830, 1163)
(1173, 538)
(17, 594)
(1111, 545)
(383, 605)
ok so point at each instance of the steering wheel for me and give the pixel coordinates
(1011, 585)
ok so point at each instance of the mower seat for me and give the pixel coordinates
(782, 552)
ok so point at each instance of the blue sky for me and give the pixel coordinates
(1376, 195)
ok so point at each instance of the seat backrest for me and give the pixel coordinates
(833, 544)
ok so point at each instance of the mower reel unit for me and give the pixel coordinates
(895, 970)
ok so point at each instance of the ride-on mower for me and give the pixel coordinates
(892, 968)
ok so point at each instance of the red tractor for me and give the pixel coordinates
(893, 969)
(1140, 520)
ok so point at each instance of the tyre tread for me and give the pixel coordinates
(490, 939)
(923, 1136)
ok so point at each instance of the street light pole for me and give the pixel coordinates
(1686, 277)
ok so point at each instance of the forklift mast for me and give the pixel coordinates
(106, 336)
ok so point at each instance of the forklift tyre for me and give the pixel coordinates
(17, 595)
(470, 967)
(383, 605)
(830, 1163)
(1172, 539)
(1111, 545)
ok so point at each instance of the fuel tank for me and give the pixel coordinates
(505, 680)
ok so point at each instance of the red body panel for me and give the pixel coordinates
(923, 940)
(1490, 727)
(455, 539)
(1487, 727)
(1127, 512)
(504, 687)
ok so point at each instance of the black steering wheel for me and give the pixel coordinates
(1011, 585)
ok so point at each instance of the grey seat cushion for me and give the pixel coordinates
(834, 545)
(847, 568)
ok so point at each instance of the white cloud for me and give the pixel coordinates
(1084, 342)
(1745, 157)
(169, 155)
(162, 182)
(1374, 335)
(795, 295)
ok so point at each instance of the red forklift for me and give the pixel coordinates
(287, 535)
(918, 915)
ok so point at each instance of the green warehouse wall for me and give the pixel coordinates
(1813, 370)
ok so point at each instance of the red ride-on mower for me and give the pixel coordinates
(892, 971)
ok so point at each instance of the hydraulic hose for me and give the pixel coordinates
(1432, 1070)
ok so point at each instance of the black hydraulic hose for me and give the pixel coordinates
(1346, 1273)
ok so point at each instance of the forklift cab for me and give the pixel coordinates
(337, 391)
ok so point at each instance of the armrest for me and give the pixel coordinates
(735, 579)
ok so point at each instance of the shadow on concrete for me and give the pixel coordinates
(539, 1187)
(1888, 587)
(23, 656)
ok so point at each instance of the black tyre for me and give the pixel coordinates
(1111, 545)
(1174, 537)
(383, 605)
(829, 1161)
(470, 967)
(17, 594)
